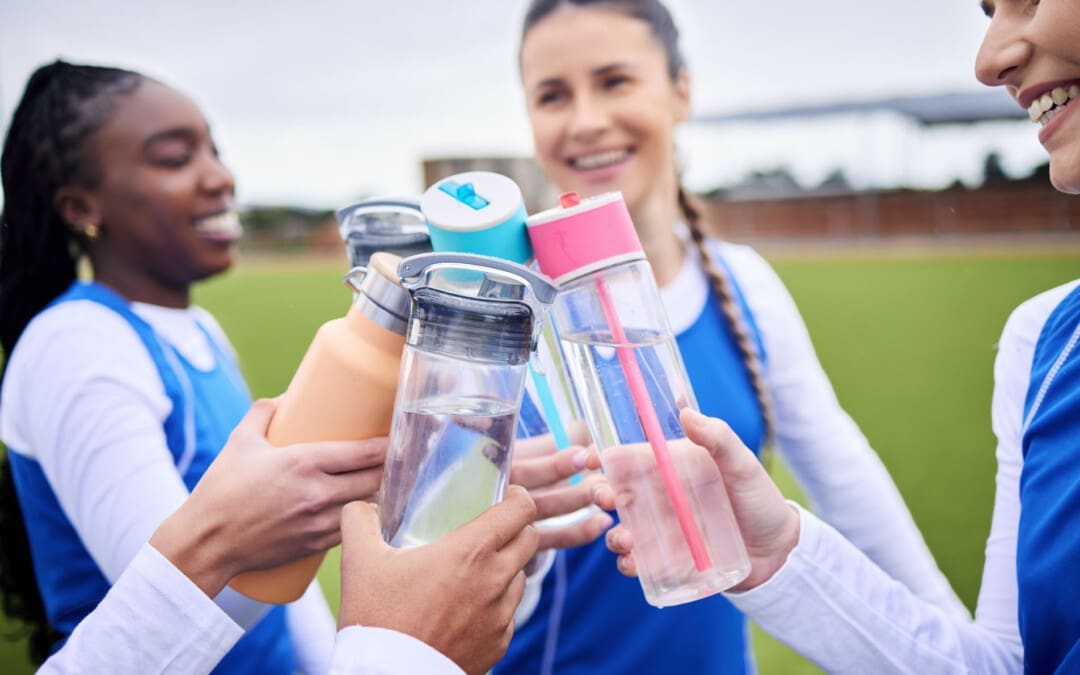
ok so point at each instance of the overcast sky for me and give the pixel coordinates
(319, 102)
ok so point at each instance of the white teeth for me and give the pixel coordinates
(1047, 106)
(226, 223)
(600, 159)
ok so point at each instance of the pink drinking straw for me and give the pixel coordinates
(651, 424)
(568, 244)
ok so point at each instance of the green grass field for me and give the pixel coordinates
(909, 344)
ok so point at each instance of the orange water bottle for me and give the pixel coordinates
(343, 390)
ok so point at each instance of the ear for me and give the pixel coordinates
(682, 95)
(77, 207)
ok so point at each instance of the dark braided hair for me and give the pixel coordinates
(62, 107)
(663, 28)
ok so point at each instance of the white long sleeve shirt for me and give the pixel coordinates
(154, 620)
(844, 479)
(82, 397)
(835, 606)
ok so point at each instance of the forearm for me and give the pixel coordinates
(830, 603)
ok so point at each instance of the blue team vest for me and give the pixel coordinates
(205, 408)
(590, 618)
(1048, 542)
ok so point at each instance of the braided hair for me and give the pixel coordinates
(663, 28)
(62, 107)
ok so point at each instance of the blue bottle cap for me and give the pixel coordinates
(477, 212)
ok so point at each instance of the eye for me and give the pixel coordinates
(550, 96)
(987, 9)
(615, 81)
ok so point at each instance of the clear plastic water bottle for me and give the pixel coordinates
(474, 324)
(631, 383)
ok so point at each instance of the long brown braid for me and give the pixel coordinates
(733, 315)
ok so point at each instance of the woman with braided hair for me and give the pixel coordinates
(606, 86)
(118, 393)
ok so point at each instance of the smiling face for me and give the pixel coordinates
(163, 199)
(602, 104)
(1033, 50)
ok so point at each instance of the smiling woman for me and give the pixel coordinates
(116, 393)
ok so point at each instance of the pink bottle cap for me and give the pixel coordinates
(583, 235)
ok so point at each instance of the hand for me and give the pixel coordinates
(260, 506)
(457, 593)
(769, 526)
(542, 469)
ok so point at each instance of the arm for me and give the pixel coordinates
(844, 478)
(311, 625)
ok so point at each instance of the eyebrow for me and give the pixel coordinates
(173, 134)
(597, 72)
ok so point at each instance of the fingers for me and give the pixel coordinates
(733, 458)
(626, 565)
(501, 523)
(603, 495)
(563, 500)
(575, 535)
(343, 456)
(619, 540)
(535, 472)
(352, 486)
(520, 550)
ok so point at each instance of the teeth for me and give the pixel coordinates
(227, 223)
(600, 159)
(1047, 106)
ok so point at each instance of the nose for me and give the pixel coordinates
(1004, 52)
(589, 118)
(216, 177)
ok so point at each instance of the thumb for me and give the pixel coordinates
(360, 527)
(732, 457)
(257, 420)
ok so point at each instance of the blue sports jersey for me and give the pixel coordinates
(206, 405)
(1048, 541)
(591, 619)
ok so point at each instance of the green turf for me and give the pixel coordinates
(908, 344)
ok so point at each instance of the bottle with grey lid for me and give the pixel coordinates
(474, 324)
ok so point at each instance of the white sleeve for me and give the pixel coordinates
(153, 620)
(361, 650)
(83, 398)
(830, 603)
(312, 628)
(845, 480)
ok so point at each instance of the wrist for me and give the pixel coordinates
(190, 544)
(765, 565)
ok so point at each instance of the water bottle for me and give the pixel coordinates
(473, 326)
(394, 225)
(482, 212)
(631, 382)
(344, 389)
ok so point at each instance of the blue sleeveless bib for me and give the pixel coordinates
(590, 618)
(1048, 542)
(206, 405)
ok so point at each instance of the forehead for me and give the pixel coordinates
(150, 109)
(580, 39)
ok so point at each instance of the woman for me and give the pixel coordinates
(117, 394)
(812, 589)
(605, 88)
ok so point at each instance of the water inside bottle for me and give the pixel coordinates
(460, 471)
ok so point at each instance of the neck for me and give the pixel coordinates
(655, 224)
(136, 287)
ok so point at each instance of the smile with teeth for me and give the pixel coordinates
(224, 224)
(599, 160)
(1044, 108)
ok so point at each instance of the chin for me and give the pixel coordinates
(1066, 179)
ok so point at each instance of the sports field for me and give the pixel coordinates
(908, 341)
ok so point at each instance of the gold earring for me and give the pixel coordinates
(91, 231)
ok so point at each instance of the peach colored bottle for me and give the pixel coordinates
(344, 389)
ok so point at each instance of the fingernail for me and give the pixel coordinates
(580, 457)
(607, 521)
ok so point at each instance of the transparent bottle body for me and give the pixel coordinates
(631, 383)
(450, 444)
